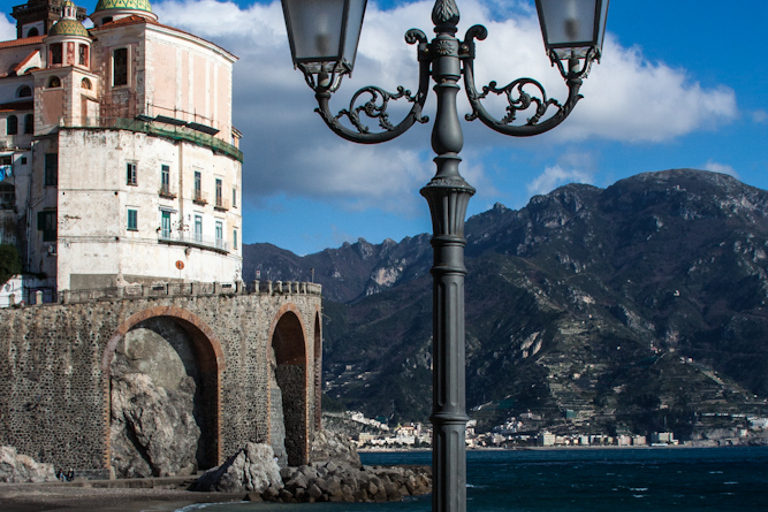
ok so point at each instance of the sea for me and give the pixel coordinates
(733, 479)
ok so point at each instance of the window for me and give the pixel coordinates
(29, 123)
(133, 219)
(219, 234)
(198, 186)
(165, 180)
(87, 84)
(13, 125)
(234, 197)
(33, 32)
(51, 169)
(120, 67)
(24, 91)
(198, 228)
(218, 192)
(54, 82)
(46, 222)
(82, 58)
(7, 196)
(234, 239)
(130, 174)
(56, 53)
(165, 224)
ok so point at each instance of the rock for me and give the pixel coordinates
(153, 431)
(18, 468)
(334, 447)
(252, 469)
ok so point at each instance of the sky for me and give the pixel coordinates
(681, 84)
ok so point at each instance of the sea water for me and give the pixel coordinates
(580, 480)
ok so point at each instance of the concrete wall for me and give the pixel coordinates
(55, 362)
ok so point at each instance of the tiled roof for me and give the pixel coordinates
(22, 42)
(139, 5)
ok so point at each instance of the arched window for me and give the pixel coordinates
(86, 84)
(13, 125)
(29, 123)
(54, 82)
(24, 91)
(33, 32)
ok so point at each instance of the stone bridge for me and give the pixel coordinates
(162, 379)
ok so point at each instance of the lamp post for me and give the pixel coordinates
(323, 36)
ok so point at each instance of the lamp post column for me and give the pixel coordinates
(448, 196)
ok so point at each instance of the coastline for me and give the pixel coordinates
(83, 496)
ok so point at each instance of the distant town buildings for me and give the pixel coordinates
(119, 163)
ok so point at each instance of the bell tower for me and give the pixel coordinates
(36, 17)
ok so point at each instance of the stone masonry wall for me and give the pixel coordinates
(54, 392)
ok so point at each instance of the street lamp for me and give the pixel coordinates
(323, 37)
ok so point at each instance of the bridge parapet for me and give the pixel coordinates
(195, 289)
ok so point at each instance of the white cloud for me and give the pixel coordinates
(289, 150)
(555, 176)
(760, 116)
(713, 166)
(7, 29)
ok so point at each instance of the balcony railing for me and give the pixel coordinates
(221, 204)
(200, 198)
(165, 192)
(176, 133)
(193, 240)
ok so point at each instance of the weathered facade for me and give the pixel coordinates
(255, 357)
(119, 162)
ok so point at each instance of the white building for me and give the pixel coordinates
(118, 159)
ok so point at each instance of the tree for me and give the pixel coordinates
(10, 262)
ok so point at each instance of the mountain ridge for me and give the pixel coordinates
(573, 302)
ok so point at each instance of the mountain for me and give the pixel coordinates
(634, 308)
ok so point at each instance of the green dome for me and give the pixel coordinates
(68, 28)
(135, 5)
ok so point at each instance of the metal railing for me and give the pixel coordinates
(175, 132)
(193, 239)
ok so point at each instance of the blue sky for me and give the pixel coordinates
(682, 83)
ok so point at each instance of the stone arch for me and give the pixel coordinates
(288, 404)
(204, 358)
(318, 361)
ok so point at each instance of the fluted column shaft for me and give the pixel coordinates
(448, 196)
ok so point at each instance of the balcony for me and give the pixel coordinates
(193, 240)
(200, 198)
(165, 192)
(221, 205)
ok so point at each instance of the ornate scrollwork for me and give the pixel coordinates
(518, 95)
(372, 102)
(519, 100)
(374, 108)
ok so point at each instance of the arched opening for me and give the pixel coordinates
(33, 32)
(24, 91)
(288, 391)
(318, 373)
(54, 81)
(162, 371)
(86, 84)
(29, 124)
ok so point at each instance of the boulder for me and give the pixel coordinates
(334, 447)
(252, 469)
(153, 431)
(18, 468)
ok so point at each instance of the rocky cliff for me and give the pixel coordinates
(632, 308)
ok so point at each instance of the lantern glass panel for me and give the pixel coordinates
(571, 27)
(314, 29)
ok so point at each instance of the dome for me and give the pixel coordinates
(133, 5)
(68, 28)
